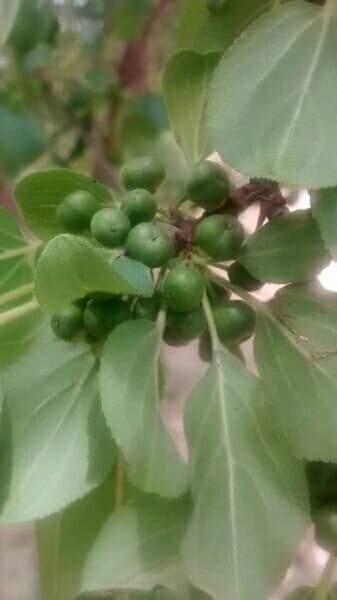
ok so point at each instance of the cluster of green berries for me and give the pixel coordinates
(136, 228)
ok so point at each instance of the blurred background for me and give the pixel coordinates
(80, 88)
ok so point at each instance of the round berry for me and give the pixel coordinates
(221, 236)
(76, 211)
(148, 308)
(146, 173)
(207, 185)
(140, 206)
(149, 244)
(182, 328)
(68, 323)
(235, 322)
(183, 288)
(239, 275)
(110, 227)
(102, 316)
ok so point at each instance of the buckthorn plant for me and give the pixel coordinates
(168, 190)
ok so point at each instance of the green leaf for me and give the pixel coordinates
(287, 250)
(70, 267)
(296, 353)
(147, 537)
(15, 288)
(8, 12)
(201, 30)
(64, 540)
(59, 446)
(128, 15)
(250, 493)
(324, 210)
(266, 115)
(130, 390)
(39, 195)
(22, 140)
(186, 82)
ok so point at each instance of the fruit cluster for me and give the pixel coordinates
(139, 229)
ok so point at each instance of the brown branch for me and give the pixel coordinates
(133, 64)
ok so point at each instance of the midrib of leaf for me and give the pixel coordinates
(230, 463)
(203, 100)
(326, 15)
(63, 418)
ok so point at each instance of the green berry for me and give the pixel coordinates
(76, 211)
(235, 322)
(68, 323)
(239, 275)
(146, 173)
(221, 236)
(140, 206)
(325, 521)
(110, 227)
(149, 244)
(102, 316)
(182, 328)
(183, 288)
(148, 308)
(207, 185)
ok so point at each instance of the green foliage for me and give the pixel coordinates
(131, 406)
(186, 81)
(288, 249)
(15, 288)
(308, 593)
(148, 535)
(96, 270)
(57, 431)
(295, 349)
(287, 142)
(8, 13)
(248, 490)
(325, 521)
(40, 194)
(324, 209)
(65, 539)
(22, 139)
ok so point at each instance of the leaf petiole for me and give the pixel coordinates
(23, 251)
(19, 292)
(20, 311)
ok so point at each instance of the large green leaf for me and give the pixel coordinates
(70, 267)
(250, 493)
(201, 30)
(58, 444)
(324, 208)
(8, 12)
(186, 84)
(15, 289)
(131, 395)
(138, 548)
(266, 115)
(287, 250)
(65, 539)
(296, 353)
(22, 140)
(39, 195)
